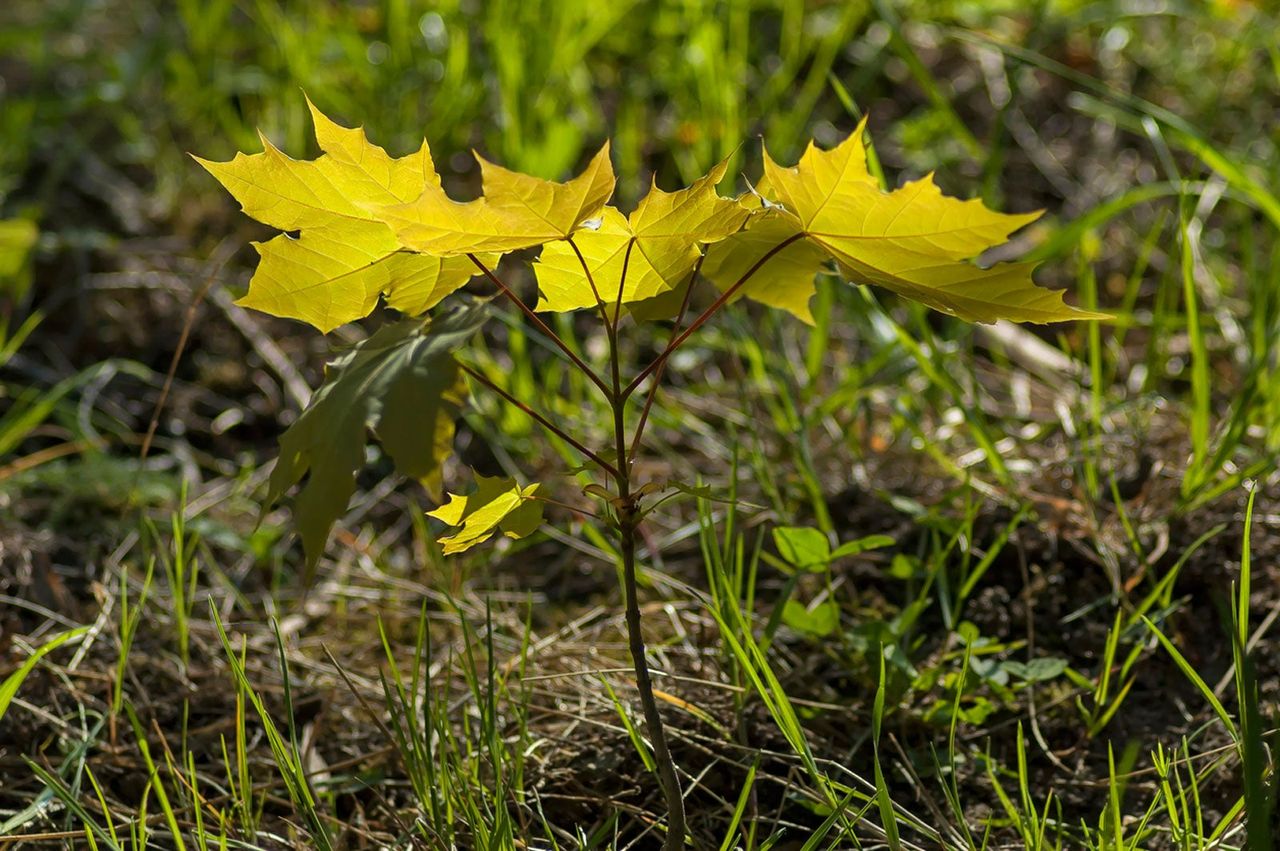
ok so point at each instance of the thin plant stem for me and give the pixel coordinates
(539, 419)
(576, 509)
(628, 523)
(705, 315)
(662, 368)
(626, 263)
(676, 828)
(586, 270)
(615, 362)
(543, 327)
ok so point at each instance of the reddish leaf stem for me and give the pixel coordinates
(657, 378)
(543, 327)
(586, 270)
(576, 509)
(622, 284)
(540, 419)
(705, 315)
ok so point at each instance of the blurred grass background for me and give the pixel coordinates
(1148, 131)
(677, 85)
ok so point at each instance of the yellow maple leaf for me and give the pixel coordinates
(821, 173)
(344, 257)
(498, 505)
(515, 211)
(914, 241)
(785, 280)
(657, 246)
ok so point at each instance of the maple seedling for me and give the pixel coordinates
(369, 227)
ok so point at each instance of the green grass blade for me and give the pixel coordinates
(13, 682)
(1190, 673)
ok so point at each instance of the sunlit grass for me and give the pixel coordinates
(448, 701)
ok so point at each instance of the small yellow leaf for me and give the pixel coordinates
(516, 211)
(657, 246)
(498, 505)
(914, 240)
(343, 257)
(607, 251)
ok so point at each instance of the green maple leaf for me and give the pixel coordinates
(344, 257)
(404, 385)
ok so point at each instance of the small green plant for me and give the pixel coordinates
(182, 572)
(363, 226)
